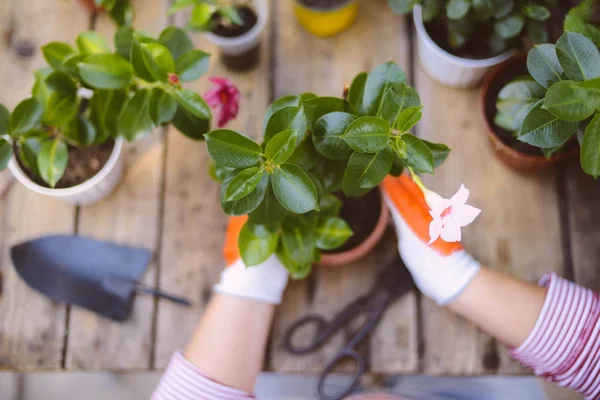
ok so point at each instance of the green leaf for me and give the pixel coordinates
(4, 120)
(378, 82)
(578, 56)
(543, 129)
(191, 126)
(92, 43)
(270, 211)
(285, 119)
(327, 136)
(280, 148)
(366, 170)
(418, 155)
(114, 111)
(162, 107)
(440, 152)
(231, 149)
(590, 148)
(316, 107)
(517, 98)
(537, 32)
(231, 15)
(294, 189)
(6, 153)
(397, 168)
(158, 60)
(26, 116)
(137, 58)
(192, 102)
(543, 65)
(70, 65)
(509, 27)
(105, 71)
(299, 243)
(367, 134)
(246, 204)
(52, 160)
(329, 206)
(176, 40)
(244, 183)
(179, 5)
(200, 17)
(56, 52)
(356, 92)
(192, 65)
(331, 173)
(565, 101)
(135, 121)
(282, 102)
(398, 98)
(61, 104)
(402, 7)
(305, 156)
(332, 233)
(81, 131)
(408, 118)
(28, 153)
(124, 41)
(99, 104)
(537, 13)
(122, 13)
(431, 9)
(219, 172)
(457, 9)
(482, 10)
(256, 243)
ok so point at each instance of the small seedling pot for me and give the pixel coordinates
(446, 68)
(520, 161)
(366, 245)
(91, 191)
(328, 19)
(241, 53)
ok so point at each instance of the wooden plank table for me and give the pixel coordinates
(530, 224)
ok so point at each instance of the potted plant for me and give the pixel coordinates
(67, 138)
(542, 112)
(326, 17)
(121, 11)
(309, 189)
(459, 40)
(234, 26)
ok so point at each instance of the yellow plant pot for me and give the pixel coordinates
(326, 21)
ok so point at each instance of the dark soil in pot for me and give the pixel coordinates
(362, 214)
(323, 4)
(247, 59)
(83, 164)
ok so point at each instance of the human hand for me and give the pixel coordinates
(441, 270)
(264, 282)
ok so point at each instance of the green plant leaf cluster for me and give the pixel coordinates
(313, 149)
(202, 11)
(467, 20)
(89, 93)
(121, 11)
(559, 99)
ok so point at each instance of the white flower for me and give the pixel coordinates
(449, 215)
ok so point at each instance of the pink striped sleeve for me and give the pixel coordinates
(564, 346)
(184, 381)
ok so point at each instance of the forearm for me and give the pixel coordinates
(501, 305)
(230, 341)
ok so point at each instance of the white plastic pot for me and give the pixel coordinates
(446, 68)
(91, 191)
(240, 44)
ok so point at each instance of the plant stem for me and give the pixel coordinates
(417, 180)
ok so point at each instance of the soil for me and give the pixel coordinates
(362, 214)
(83, 164)
(247, 59)
(323, 4)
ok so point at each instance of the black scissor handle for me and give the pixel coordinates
(354, 384)
(319, 337)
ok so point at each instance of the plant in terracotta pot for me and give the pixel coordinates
(326, 17)
(310, 187)
(235, 26)
(459, 40)
(67, 138)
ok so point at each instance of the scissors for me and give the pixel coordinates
(392, 283)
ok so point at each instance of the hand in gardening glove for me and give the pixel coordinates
(264, 282)
(441, 270)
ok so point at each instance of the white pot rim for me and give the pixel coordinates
(262, 12)
(20, 175)
(467, 62)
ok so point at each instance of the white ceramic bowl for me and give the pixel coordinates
(245, 42)
(91, 191)
(446, 68)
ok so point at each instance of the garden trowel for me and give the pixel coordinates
(100, 276)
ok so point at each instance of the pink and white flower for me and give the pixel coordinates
(449, 215)
(223, 98)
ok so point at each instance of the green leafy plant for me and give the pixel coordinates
(121, 11)
(313, 149)
(497, 24)
(88, 94)
(561, 98)
(203, 10)
(585, 19)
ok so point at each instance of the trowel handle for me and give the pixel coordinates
(155, 292)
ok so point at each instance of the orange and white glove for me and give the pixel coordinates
(441, 270)
(264, 282)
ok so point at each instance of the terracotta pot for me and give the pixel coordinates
(522, 162)
(352, 255)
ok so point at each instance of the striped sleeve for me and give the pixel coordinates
(184, 381)
(564, 346)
